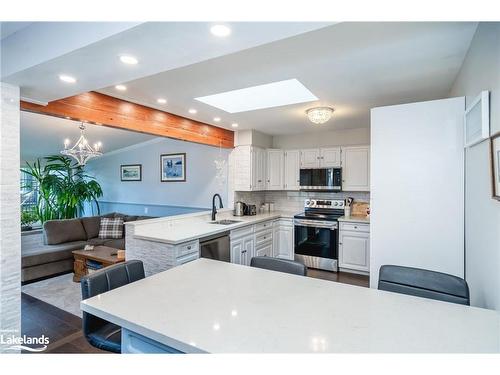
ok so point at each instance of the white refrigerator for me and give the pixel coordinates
(417, 187)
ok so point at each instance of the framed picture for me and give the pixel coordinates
(132, 172)
(173, 167)
(495, 166)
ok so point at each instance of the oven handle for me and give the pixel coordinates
(315, 224)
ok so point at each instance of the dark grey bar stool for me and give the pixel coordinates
(280, 265)
(424, 283)
(98, 332)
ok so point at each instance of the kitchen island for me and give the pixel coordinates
(168, 242)
(207, 306)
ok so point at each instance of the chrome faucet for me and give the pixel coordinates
(214, 210)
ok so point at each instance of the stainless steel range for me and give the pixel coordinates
(316, 233)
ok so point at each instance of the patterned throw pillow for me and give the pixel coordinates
(111, 228)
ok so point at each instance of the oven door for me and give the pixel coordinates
(316, 239)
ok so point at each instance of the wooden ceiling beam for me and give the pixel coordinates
(105, 110)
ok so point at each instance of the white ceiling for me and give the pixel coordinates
(350, 66)
(44, 135)
(159, 46)
(9, 28)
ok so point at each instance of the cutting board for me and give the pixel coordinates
(359, 208)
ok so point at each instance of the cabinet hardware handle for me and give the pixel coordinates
(189, 247)
(244, 251)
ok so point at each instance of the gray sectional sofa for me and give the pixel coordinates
(47, 252)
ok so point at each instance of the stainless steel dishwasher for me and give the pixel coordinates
(216, 247)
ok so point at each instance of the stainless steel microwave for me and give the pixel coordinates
(327, 179)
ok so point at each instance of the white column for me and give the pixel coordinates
(10, 227)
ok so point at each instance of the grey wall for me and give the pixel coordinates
(196, 192)
(481, 71)
(314, 138)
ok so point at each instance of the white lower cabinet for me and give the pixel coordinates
(354, 248)
(242, 249)
(283, 239)
(264, 249)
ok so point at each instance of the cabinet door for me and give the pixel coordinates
(356, 168)
(309, 158)
(329, 157)
(236, 249)
(247, 250)
(274, 169)
(264, 250)
(258, 168)
(284, 243)
(240, 164)
(292, 170)
(354, 251)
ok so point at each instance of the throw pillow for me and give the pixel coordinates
(111, 228)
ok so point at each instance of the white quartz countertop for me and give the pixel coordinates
(218, 307)
(355, 219)
(175, 230)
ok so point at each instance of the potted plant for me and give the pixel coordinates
(28, 218)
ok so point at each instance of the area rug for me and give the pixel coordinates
(58, 291)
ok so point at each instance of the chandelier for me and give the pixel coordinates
(319, 115)
(82, 151)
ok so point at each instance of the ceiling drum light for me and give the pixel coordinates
(66, 78)
(220, 30)
(121, 87)
(127, 59)
(192, 111)
(319, 115)
(161, 101)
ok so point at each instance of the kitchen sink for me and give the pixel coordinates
(225, 222)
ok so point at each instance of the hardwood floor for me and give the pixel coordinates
(341, 277)
(63, 329)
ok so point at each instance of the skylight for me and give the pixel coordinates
(273, 94)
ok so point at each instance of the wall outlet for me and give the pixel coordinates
(146, 209)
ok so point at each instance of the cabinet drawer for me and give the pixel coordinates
(356, 227)
(241, 232)
(187, 248)
(187, 258)
(262, 226)
(264, 236)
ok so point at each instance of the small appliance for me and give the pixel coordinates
(321, 179)
(251, 209)
(239, 208)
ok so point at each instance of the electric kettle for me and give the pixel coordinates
(239, 208)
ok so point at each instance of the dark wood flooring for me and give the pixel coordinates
(65, 330)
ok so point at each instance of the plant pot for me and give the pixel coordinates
(26, 228)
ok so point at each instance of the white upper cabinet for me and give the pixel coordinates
(292, 170)
(275, 161)
(259, 158)
(309, 158)
(356, 168)
(241, 163)
(329, 157)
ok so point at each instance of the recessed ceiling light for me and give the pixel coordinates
(273, 94)
(234, 125)
(220, 30)
(161, 100)
(67, 79)
(121, 87)
(127, 59)
(193, 111)
(216, 119)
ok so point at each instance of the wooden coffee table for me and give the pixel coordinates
(101, 254)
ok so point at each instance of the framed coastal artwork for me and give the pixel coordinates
(495, 166)
(173, 167)
(131, 172)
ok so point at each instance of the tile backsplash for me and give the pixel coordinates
(294, 200)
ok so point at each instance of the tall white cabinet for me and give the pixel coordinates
(417, 173)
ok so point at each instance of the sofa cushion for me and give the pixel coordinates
(96, 241)
(118, 243)
(111, 228)
(91, 225)
(42, 254)
(60, 231)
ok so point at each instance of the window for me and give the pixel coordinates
(29, 192)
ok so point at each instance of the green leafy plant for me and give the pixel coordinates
(28, 218)
(63, 187)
